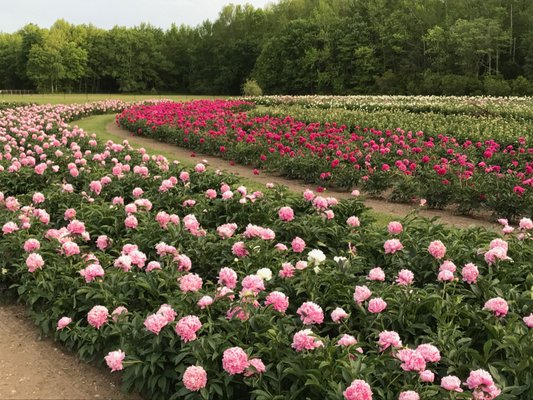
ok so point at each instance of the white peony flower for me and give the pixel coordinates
(316, 256)
(265, 274)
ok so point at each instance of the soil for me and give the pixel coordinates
(34, 368)
(381, 206)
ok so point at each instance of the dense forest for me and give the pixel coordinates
(290, 47)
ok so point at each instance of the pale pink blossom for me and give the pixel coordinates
(437, 249)
(114, 360)
(97, 316)
(498, 306)
(235, 360)
(338, 314)
(63, 323)
(376, 274)
(361, 294)
(377, 305)
(310, 313)
(391, 246)
(190, 283)
(451, 383)
(195, 378)
(394, 227)
(358, 390)
(187, 327)
(304, 340)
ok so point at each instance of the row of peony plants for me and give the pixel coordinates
(400, 165)
(196, 287)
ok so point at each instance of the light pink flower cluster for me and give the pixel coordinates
(437, 249)
(482, 384)
(394, 227)
(97, 316)
(92, 271)
(338, 314)
(239, 249)
(405, 277)
(253, 284)
(187, 327)
(470, 273)
(279, 301)
(235, 360)
(286, 214)
(190, 283)
(353, 221)
(497, 251)
(256, 367)
(358, 390)
(376, 274)
(254, 231)
(498, 306)
(361, 294)
(227, 277)
(451, 383)
(34, 262)
(114, 360)
(227, 230)
(195, 378)
(310, 313)
(304, 340)
(388, 339)
(298, 245)
(409, 395)
(377, 305)
(63, 323)
(391, 246)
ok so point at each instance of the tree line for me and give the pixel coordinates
(290, 47)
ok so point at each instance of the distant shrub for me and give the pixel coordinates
(521, 87)
(496, 86)
(251, 88)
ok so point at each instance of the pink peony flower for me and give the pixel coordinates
(310, 313)
(338, 314)
(353, 221)
(114, 360)
(91, 272)
(304, 340)
(34, 262)
(528, 320)
(190, 283)
(286, 214)
(429, 352)
(187, 328)
(470, 273)
(205, 302)
(361, 294)
(377, 305)
(437, 249)
(481, 382)
(358, 390)
(253, 284)
(9, 227)
(278, 301)
(256, 367)
(405, 277)
(117, 312)
(448, 266)
(227, 277)
(194, 378)
(168, 312)
(239, 249)
(152, 265)
(451, 383)
(97, 316)
(445, 276)
(63, 323)
(235, 360)
(76, 227)
(184, 262)
(389, 338)
(427, 376)
(131, 222)
(31, 245)
(155, 322)
(498, 306)
(70, 248)
(526, 224)
(298, 245)
(412, 360)
(287, 270)
(391, 246)
(394, 227)
(226, 231)
(102, 242)
(38, 198)
(376, 274)
(409, 395)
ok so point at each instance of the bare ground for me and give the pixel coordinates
(31, 368)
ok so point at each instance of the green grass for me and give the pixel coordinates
(84, 98)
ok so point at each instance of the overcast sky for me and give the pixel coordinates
(14, 14)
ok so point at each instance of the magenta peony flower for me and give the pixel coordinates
(358, 390)
(235, 360)
(97, 316)
(114, 360)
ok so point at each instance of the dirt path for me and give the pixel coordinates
(381, 206)
(39, 369)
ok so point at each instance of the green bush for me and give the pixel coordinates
(251, 88)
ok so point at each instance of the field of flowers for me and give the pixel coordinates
(404, 166)
(196, 287)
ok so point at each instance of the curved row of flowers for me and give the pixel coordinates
(197, 287)
(404, 165)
